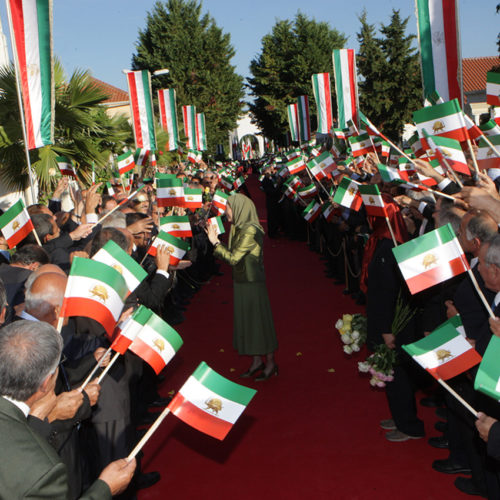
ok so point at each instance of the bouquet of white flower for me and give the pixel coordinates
(352, 329)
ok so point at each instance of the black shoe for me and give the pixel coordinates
(251, 373)
(346, 291)
(431, 402)
(146, 480)
(466, 485)
(263, 376)
(442, 413)
(441, 426)
(438, 442)
(160, 402)
(448, 467)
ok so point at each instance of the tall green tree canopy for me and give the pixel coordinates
(390, 88)
(290, 55)
(198, 55)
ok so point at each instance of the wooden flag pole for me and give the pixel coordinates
(474, 161)
(312, 180)
(148, 434)
(391, 231)
(37, 238)
(128, 198)
(60, 322)
(106, 370)
(492, 146)
(480, 293)
(460, 398)
(96, 367)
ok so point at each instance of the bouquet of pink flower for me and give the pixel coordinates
(352, 329)
(379, 366)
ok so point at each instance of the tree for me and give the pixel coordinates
(198, 55)
(392, 86)
(290, 55)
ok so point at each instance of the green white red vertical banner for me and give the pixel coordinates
(31, 36)
(346, 86)
(201, 133)
(293, 121)
(141, 105)
(168, 116)
(189, 116)
(439, 41)
(303, 118)
(323, 97)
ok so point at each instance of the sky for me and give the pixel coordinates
(100, 35)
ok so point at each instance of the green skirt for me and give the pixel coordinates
(253, 332)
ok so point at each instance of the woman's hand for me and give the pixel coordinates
(390, 340)
(212, 235)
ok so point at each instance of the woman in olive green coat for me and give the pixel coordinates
(253, 332)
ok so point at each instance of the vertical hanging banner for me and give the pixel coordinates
(323, 97)
(168, 116)
(303, 118)
(346, 86)
(189, 116)
(439, 42)
(293, 120)
(141, 104)
(31, 36)
(201, 133)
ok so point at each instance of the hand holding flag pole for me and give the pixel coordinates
(128, 198)
(94, 370)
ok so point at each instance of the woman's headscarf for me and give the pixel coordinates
(244, 213)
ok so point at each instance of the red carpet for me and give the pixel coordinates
(310, 433)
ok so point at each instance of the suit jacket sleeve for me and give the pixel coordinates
(493, 446)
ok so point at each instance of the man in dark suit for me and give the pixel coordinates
(29, 358)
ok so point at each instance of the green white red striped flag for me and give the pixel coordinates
(293, 122)
(169, 191)
(445, 353)
(486, 156)
(94, 290)
(113, 255)
(303, 118)
(472, 129)
(209, 402)
(346, 86)
(445, 120)
(372, 200)
(141, 105)
(141, 156)
(307, 191)
(390, 174)
(323, 97)
(431, 259)
(15, 223)
(293, 181)
(238, 182)
(295, 153)
(328, 211)
(347, 194)
(295, 166)
(490, 128)
(201, 133)
(189, 116)
(416, 145)
(322, 166)
(66, 166)
(127, 330)
(194, 156)
(340, 133)
(433, 99)
(125, 162)
(361, 145)
(227, 182)
(493, 88)
(31, 35)
(217, 223)
(488, 375)
(312, 211)
(193, 198)
(439, 41)
(220, 200)
(175, 246)
(449, 151)
(156, 343)
(168, 116)
(176, 225)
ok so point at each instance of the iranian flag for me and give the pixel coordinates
(316, 170)
(493, 88)
(169, 191)
(141, 106)
(488, 375)
(175, 246)
(156, 343)
(373, 201)
(361, 145)
(66, 166)
(347, 194)
(439, 41)
(346, 87)
(445, 120)
(433, 99)
(201, 133)
(390, 174)
(295, 153)
(406, 168)
(430, 259)
(31, 36)
(445, 353)
(189, 115)
(293, 181)
(209, 402)
(293, 122)
(227, 182)
(490, 128)
(303, 118)
(323, 97)
(125, 162)
(328, 211)
(312, 211)
(194, 156)
(447, 151)
(193, 198)
(472, 129)
(340, 134)
(416, 145)
(15, 223)
(127, 331)
(220, 200)
(94, 290)
(217, 223)
(307, 191)
(325, 163)
(168, 116)
(176, 225)
(486, 156)
(141, 156)
(239, 182)
(113, 255)
(295, 166)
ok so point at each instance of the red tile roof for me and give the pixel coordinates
(475, 69)
(115, 94)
